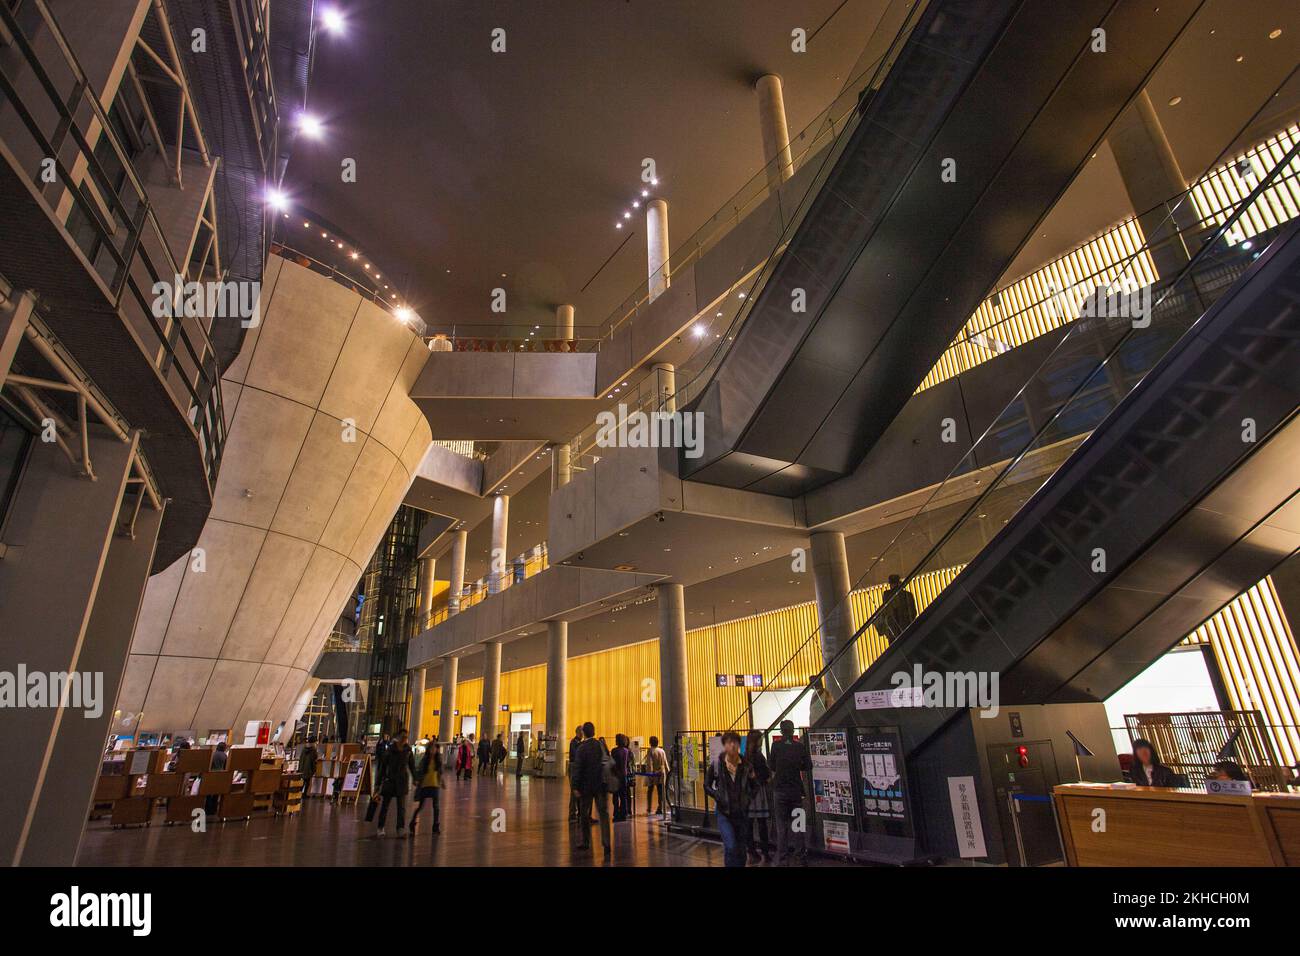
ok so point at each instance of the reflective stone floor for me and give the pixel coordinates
(537, 833)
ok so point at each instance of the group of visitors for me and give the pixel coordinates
(748, 790)
(396, 772)
(597, 773)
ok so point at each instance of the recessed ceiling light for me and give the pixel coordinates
(332, 20)
(310, 126)
(1275, 34)
(1174, 101)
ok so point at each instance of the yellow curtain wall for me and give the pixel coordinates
(618, 689)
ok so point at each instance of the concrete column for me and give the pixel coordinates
(557, 691)
(415, 720)
(499, 566)
(665, 387)
(447, 706)
(427, 568)
(831, 580)
(564, 322)
(561, 465)
(457, 571)
(1151, 175)
(673, 698)
(776, 135)
(656, 238)
(491, 691)
(70, 594)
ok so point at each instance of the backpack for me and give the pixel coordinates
(608, 772)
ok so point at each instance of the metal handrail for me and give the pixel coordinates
(207, 415)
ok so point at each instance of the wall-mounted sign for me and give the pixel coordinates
(966, 817)
(740, 680)
(832, 783)
(505, 706)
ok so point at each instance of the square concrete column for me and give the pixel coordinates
(70, 593)
(416, 719)
(673, 698)
(557, 690)
(834, 617)
(447, 706)
(457, 571)
(491, 690)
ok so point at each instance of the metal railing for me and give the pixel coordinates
(111, 218)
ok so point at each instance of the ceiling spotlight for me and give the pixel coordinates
(403, 313)
(276, 199)
(699, 331)
(645, 193)
(310, 126)
(1274, 34)
(332, 20)
(627, 215)
(618, 225)
(355, 255)
(636, 204)
(654, 182)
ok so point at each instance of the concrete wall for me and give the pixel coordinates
(298, 509)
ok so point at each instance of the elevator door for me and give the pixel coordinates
(1031, 775)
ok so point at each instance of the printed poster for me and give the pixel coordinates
(832, 783)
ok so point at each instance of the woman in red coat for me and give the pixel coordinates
(465, 758)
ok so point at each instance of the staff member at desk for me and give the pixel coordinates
(1147, 770)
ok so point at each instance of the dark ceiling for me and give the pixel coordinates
(473, 164)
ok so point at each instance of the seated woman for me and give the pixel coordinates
(1228, 770)
(1147, 770)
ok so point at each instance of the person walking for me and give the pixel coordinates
(588, 784)
(656, 764)
(484, 755)
(395, 775)
(726, 781)
(307, 764)
(429, 777)
(760, 799)
(574, 744)
(622, 754)
(790, 766)
(521, 753)
(498, 755)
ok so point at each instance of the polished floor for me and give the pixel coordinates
(532, 830)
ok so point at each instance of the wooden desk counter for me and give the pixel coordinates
(1153, 826)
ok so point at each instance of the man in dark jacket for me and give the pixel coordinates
(574, 744)
(307, 764)
(588, 785)
(484, 755)
(396, 772)
(899, 609)
(498, 754)
(791, 767)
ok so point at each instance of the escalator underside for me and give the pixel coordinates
(1180, 499)
(892, 257)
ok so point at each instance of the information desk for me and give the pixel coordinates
(1152, 826)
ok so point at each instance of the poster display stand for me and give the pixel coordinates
(832, 778)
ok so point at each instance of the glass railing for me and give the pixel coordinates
(111, 219)
(1097, 361)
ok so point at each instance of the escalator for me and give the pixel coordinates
(882, 298)
(1181, 497)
